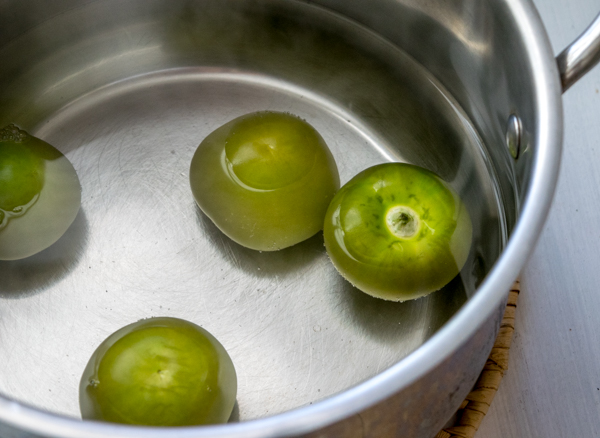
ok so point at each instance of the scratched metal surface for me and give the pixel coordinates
(129, 107)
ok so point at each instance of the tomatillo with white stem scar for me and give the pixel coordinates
(397, 231)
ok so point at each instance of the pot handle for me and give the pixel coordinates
(580, 56)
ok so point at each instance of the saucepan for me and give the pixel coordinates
(127, 89)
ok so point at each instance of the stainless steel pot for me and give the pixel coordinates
(127, 89)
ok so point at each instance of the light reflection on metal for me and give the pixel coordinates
(580, 56)
(513, 136)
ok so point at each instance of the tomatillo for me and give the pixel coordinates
(159, 372)
(40, 194)
(265, 179)
(397, 232)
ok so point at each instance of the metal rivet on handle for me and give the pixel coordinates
(513, 136)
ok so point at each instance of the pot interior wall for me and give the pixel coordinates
(127, 90)
(478, 51)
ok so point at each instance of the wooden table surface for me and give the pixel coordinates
(552, 387)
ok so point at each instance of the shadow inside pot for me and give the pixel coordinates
(235, 414)
(262, 264)
(32, 275)
(410, 322)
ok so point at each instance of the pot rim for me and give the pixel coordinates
(458, 330)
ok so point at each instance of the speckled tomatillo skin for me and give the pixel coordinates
(397, 232)
(40, 194)
(159, 372)
(265, 179)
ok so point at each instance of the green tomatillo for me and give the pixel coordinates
(397, 232)
(159, 372)
(265, 179)
(40, 194)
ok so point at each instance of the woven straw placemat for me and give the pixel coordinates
(477, 403)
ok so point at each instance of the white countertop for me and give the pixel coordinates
(552, 387)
